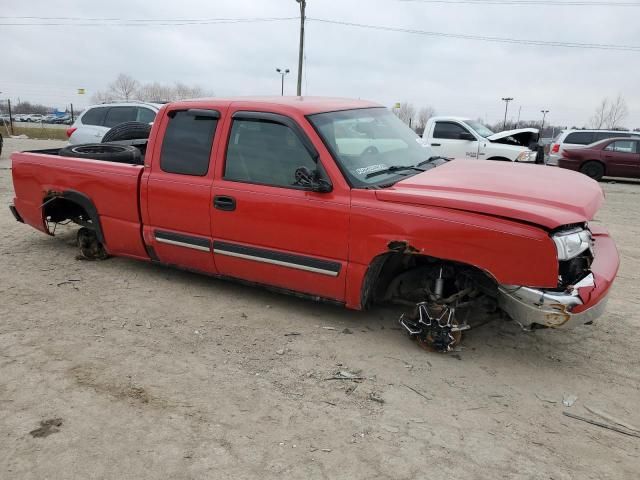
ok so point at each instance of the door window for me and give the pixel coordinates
(117, 115)
(265, 152)
(94, 116)
(186, 148)
(448, 130)
(622, 146)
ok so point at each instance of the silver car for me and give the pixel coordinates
(97, 120)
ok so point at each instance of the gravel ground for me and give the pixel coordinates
(147, 372)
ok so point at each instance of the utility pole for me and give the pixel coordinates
(519, 111)
(303, 5)
(506, 101)
(10, 116)
(544, 114)
(282, 74)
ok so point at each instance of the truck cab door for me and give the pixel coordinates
(451, 139)
(267, 228)
(176, 195)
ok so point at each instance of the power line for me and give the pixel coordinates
(553, 3)
(122, 22)
(483, 38)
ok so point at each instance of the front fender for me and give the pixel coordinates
(512, 253)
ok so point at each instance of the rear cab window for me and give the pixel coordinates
(187, 143)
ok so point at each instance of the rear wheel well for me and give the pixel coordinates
(396, 276)
(71, 206)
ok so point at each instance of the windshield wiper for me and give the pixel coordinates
(432, 159)
(395, 168)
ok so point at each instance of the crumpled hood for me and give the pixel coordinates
(545, 196)
(512, 133)
(526, 137)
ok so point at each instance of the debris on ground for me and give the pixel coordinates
(347, 331)
(47, 427)
(345, 375)
(329, 328)
(569, 400)
(544, 399)
(292, 334)
(280, 352)
(624, 431)
(611, 419)
(416, 391)
(373, 396)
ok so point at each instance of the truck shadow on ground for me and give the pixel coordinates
(499, 338)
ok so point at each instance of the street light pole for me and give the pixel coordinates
(303, 6)
(544, 114)
(282, 74)
(506, 101)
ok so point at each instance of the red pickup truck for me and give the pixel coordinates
(337, 200)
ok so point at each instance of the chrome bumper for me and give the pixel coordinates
(527, 305)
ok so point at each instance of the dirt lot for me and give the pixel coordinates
(149, 372)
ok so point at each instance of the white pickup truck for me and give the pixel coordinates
(457, 137)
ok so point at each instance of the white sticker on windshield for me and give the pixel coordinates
(370, 169)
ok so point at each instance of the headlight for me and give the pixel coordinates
(526, 156)
(572, 243)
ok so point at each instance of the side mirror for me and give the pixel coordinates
(466, 136)
(311, 180)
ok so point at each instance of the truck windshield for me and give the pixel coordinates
(372, 146)
(480, 128)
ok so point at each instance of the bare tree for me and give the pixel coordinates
(406, 112)
(618, 111)
(127, 88)
(155, 92)
(102, 97)
(124, 87)
(599, 118)
(424, 114)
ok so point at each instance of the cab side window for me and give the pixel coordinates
(448, 130)
(265, 152)
(186, 147)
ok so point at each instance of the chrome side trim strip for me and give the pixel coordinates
(183, 244)
(276, 262)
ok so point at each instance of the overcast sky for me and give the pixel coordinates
(462, 77)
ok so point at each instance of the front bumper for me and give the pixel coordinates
(15, 214)
(581, 303)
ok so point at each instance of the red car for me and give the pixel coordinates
(614, 157)
(336, 200)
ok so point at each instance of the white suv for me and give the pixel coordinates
(580, 139)
(97, 120)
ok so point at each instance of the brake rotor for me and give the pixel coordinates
(427, 342)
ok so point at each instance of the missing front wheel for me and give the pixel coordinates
(434, 326)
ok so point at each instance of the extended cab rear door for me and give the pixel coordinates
(266, 228)
(176, 194)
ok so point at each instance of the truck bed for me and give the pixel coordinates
(113, 188)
